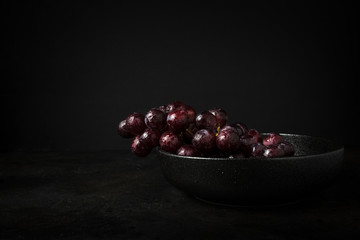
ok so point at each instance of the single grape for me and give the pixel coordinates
(206, 120)
(170, 142)
(229, 128)
(274, 150)
(174, 105)
(191, 113)
(178, 120)
(150, 137)
(240, 127)
(162, 108)
(135, 123)
(122, 131)
(155, 119)
(252, 136)
(287, 147)
(272, 138)
(188, 150)
(255, 134)
(220, 115)
(139, 148)
(257, 150)
(204, 141)
(228, 140)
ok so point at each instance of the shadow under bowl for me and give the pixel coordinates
(257, 181)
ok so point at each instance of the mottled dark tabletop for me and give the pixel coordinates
(114, 195)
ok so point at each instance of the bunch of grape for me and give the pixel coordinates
(177, 129)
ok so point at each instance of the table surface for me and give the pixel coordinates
(115, 195)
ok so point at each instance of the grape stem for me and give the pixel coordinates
(217, 130)
(189, 132)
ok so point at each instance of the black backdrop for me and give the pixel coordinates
(73, 71)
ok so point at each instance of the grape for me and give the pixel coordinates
(255, 134)
(139, 148)
(287, 147)
(229, 128)
(228, 140)
(220, 116)
(188, 150)
(122, 131)
(162, 108)
(274, 150)
(252, 136)
(240, 127)
(135, 123)
(204, 141)
(257, 150)
(191, 113)
(178, 120)
(155, 119)
(174, 105)
(150, 137)
(206, 120)
(272, 138)
(170, 142)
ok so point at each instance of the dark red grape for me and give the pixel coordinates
(288, 148)
(122, 131)
(135, 123)
(150, 137)
(174, 105)
(191, 113)
(204, 141)
(162, 108)
(255, 134)
(240, 127)
(252, 136)
(155, 119)
(178, 120)
(229, 128)
(206, 120)
(139, 148)
(170, 142)
(220, 115)
(272, 138)
(272, 151)
(257, 150)
(228, 140)
(188, 150)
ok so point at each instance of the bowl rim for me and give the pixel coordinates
(339, 148)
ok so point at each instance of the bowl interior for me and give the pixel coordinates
(308, 145)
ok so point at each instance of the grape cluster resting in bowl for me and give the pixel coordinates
(177, 129)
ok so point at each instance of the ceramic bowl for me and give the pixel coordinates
(257, 181)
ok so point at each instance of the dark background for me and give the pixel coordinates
(73, 71)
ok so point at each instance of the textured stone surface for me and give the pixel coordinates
(114, 195)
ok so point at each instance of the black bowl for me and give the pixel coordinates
(261, 181)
